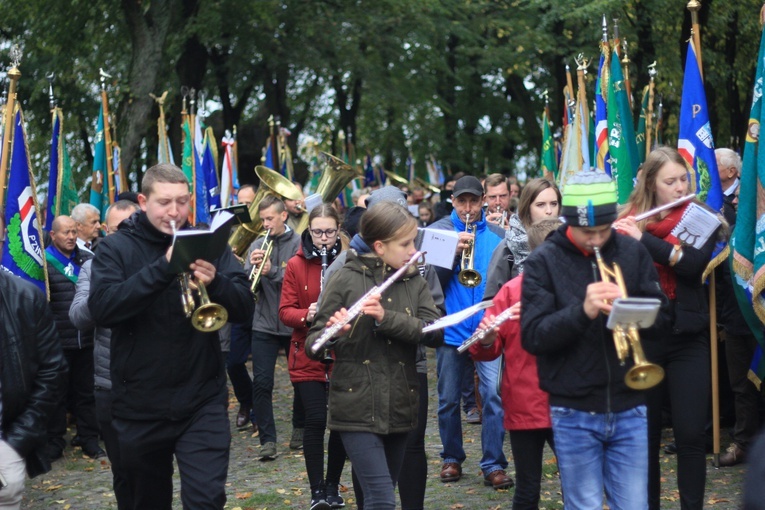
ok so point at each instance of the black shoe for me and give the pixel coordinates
(94, 453)
(670, 448)
(334, 498)
(53, 452)
(319, 499)
(76, 441)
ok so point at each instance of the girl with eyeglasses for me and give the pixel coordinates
(320, 244)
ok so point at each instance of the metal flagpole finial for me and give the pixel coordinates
(192, 97)
(605, 29)
(652, 72)
(15, 55)
(694, 5)
(104, 75)
(51, 98)
(546, 95)
(616, 28)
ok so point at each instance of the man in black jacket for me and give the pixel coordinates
(32, 370)
(64, 260)
(168, 379)
(600, 424)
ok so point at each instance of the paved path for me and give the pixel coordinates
(79, 483)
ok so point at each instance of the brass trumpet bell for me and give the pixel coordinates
(470, 278)
(645, 376)
(208, 317)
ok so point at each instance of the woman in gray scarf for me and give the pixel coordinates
(540, 200)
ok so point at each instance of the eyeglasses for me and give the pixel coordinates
(321, 233)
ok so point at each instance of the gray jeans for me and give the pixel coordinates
(377, 461)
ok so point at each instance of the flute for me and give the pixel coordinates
(657, 210)
(355, 310)
(481, 333)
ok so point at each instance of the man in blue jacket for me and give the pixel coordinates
(468, 198)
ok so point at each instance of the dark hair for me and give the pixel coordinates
(538, 232)
(246, 186)
(122, 205)
(270, 200)
(384, 221)
(530, 193)
(163, 172)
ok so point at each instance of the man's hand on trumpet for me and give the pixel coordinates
(599, 296)
(203, 271)
(464, 241)
(256, 257)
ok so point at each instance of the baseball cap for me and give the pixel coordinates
(467, 184)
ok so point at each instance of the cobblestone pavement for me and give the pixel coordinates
(77, 482)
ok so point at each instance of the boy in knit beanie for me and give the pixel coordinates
(599, 423)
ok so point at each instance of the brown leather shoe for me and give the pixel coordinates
(732, 456)
(451, 472)
(498, 479)
(242, 417)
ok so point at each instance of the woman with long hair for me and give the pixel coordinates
(540, 200)
(320, 244)
(684, 352)
(373, 395)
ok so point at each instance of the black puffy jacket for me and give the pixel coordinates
(61, 296)
(161, 367)
(32, 369)
(576, 357)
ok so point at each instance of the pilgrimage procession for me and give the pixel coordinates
(434, 254)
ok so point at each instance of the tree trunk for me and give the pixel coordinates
(148, 33)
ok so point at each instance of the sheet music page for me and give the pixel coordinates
(696, 225)
(441, 246)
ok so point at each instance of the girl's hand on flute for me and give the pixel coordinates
(491, 333)
(628, 226)
(373, 307)
(339, 316)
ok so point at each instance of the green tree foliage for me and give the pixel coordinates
(459, 79)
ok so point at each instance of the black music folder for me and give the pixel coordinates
(190, 245)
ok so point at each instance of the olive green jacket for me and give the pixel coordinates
(374, 385)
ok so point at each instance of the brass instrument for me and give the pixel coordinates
(207, 317)
(271, 183)
(257, 271)
(644, 374)
(468, 276)
(334, 178)
(418, 181)
(395, 179)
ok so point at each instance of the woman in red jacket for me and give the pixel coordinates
(321, 243)
(526, 406)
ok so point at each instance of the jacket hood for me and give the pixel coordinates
(138, 224)
(358, 244)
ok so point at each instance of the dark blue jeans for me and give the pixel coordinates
(377, 461)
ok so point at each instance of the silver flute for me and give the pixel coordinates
(355, 310)
(481, 333)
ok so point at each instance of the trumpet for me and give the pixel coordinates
(481, 333)
(207, 317)
(468, 276)
(644, 374)
(355, 309)
(257, 271)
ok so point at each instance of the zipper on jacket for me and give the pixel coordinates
(371, 387)
(605, 350)
(413, 408)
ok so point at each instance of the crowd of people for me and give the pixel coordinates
(347, 301)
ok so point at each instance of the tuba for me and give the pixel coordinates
(334, 178)
(468, 276)
(271, 183)
(644, 374)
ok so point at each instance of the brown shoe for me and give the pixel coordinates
(451, 472)
(243, 417)
(498, 479)
(732, 456)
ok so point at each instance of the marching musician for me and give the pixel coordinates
(468, 198)
(304, 276)
(599, 423)
(168, 378)
(684, 353)
(497, 199)
(269, 335)
(373, 394)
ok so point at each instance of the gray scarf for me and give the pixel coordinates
(517, 243)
